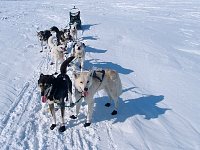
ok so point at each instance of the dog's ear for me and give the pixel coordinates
(41, 75)
(74, 45)
(76, 74)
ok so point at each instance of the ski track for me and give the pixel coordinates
(25, 126)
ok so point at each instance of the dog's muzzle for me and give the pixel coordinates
(85, 92)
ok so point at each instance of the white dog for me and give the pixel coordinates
(73, 31)
(88, 83)
(57, 52)
(78, 50)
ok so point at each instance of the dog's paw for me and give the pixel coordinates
(107, 104)
(62, 129)
(52, 126)
(87, 124)
(73, 117)
(114, 112)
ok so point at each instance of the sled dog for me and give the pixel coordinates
(66, 36)
(43, 37)
(78, 51)
(56, 88)
(88, 83)
(57, 51)
(54, 29)
(73, 31)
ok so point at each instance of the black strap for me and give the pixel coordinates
(95, 75)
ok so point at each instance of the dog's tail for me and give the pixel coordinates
(50, 41)
(63, 67)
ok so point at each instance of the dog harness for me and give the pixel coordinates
(95, 75)
(48, 90)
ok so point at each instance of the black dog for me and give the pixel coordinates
(56, 88)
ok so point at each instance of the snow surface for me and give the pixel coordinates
(153, 44)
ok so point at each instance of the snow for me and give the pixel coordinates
(153, 44)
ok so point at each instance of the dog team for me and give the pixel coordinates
(57, 88)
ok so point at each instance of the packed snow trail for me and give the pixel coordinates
(154, 45)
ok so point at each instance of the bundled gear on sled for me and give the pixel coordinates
(74, 15)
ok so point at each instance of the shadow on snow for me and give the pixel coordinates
(88, 26)
(144, 106)
(94, 50)
(98, 64)
(90, 38)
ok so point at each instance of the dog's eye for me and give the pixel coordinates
(81, 82)
(88, 81)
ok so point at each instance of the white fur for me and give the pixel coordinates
(111, 83)
(78, 51)
(57, 52)
(73, 31)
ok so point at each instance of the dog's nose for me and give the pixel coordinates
(85, 89)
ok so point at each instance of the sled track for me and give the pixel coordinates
(14, 124)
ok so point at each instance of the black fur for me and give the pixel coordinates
(60, 85)
(53, 126)
(114, 112)
(55, 29)
(62, 129)
(44, 35)
(45, 81)
(65, 64)
(63, 37)
(86, 124)
(56, 88)
(107, 104)
(73, 117)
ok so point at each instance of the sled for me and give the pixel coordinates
(74, 15)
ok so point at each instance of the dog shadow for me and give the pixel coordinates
(93, 63)
(144, 106)
(90, 38)
(88, 26)
(94, 50)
